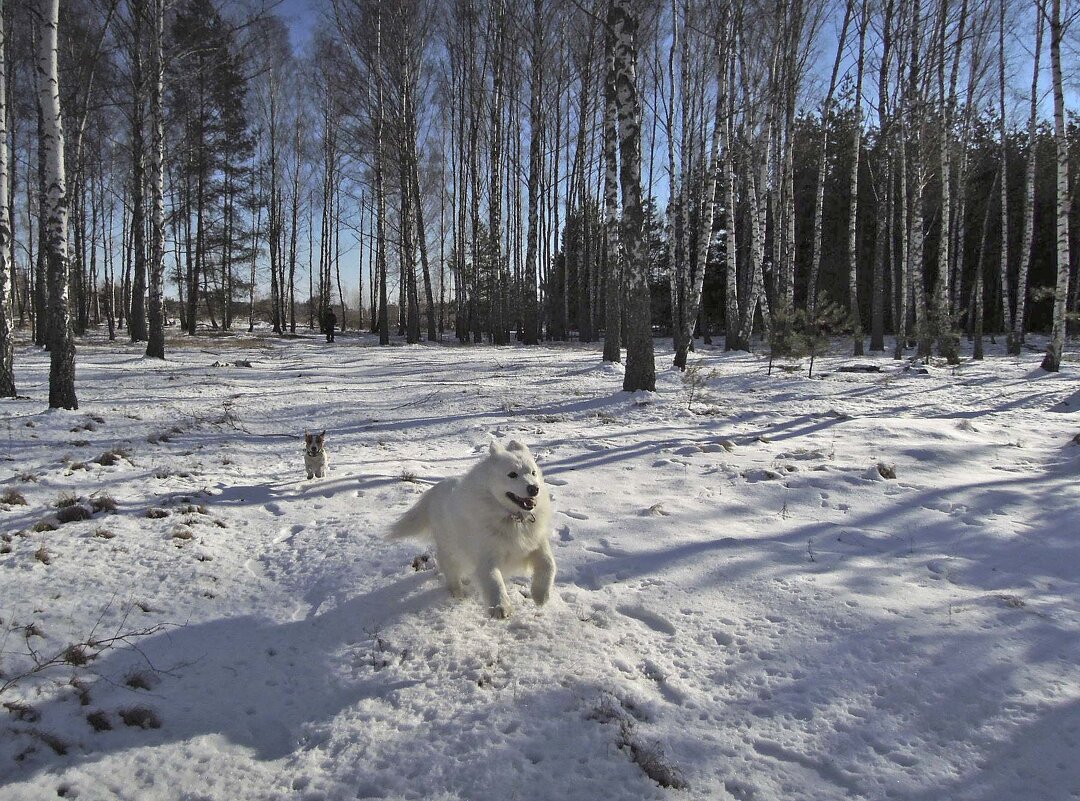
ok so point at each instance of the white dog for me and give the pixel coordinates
(495, 519)
(315, 458)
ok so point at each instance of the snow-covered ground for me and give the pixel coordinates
(747, 609)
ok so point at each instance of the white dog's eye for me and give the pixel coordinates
(512, 475)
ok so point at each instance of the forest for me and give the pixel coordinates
(724, 351)
(550, 170)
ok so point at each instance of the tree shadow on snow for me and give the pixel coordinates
(257, 683)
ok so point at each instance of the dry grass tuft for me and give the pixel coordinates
(65, 500)
(22, 712)
(112, 457)
(141, 717)
(12, 497)
(73, 514)
(141, 680)
(99, 721)
(103, 502)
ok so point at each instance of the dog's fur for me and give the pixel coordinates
(495, 519)
(315, 458)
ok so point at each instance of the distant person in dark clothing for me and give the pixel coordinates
(331, 324)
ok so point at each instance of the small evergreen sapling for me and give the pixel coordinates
(797, 334)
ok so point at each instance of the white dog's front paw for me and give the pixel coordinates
(541, 595)
(502, 611)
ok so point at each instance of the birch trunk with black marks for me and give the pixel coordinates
(155, 308)
(7, 351)
(55, 234)
(380, 193)
(1027, 236)
(853, 190)
(137, 311)
(613, 256)
(530, 325)
(823, 149)
(693, 281)
(640, 364)
(1052, 360)
(1003, 144)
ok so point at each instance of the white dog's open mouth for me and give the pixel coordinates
(528, 504)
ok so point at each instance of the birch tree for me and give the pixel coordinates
(640, 365)
(853, 187)
(61, 342)
(530, 333)
(155, 308)
(823, 149)
(7, 373)
(1052, 360)
(691, 276)
(613, 306)
(1027, 236)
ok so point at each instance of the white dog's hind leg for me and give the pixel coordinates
(451, 571)
(543, 579)
(491, 583)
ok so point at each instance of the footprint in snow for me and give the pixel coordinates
(574, 515)
(274, 509)
(556, 482)
(653, 620)
(723, 638)
(286, 534)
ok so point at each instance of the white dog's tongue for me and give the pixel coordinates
(525, 503)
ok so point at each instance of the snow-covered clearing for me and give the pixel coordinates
(746, 606)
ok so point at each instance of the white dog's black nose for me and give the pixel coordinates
(533, 490)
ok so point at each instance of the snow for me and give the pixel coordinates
(747, 608)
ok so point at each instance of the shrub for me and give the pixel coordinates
(797, 334)
(65, 500)
(111, 457)
(141, 717)
(73, 514)
(12, 497)
(103, 502)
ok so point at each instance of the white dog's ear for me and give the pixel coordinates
(514, 445)
(495, 448)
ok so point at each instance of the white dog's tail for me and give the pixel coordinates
(414, 523)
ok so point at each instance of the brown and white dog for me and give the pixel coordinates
(315, 459)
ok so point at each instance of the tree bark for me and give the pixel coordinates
(530, 332)
(1052, 360)
(819, 202)
(1027, 237)
(54, 243)
(155, 343)
(137, 313)
(7, 352)
(613, 312)
(640, 371)
(853, 191)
